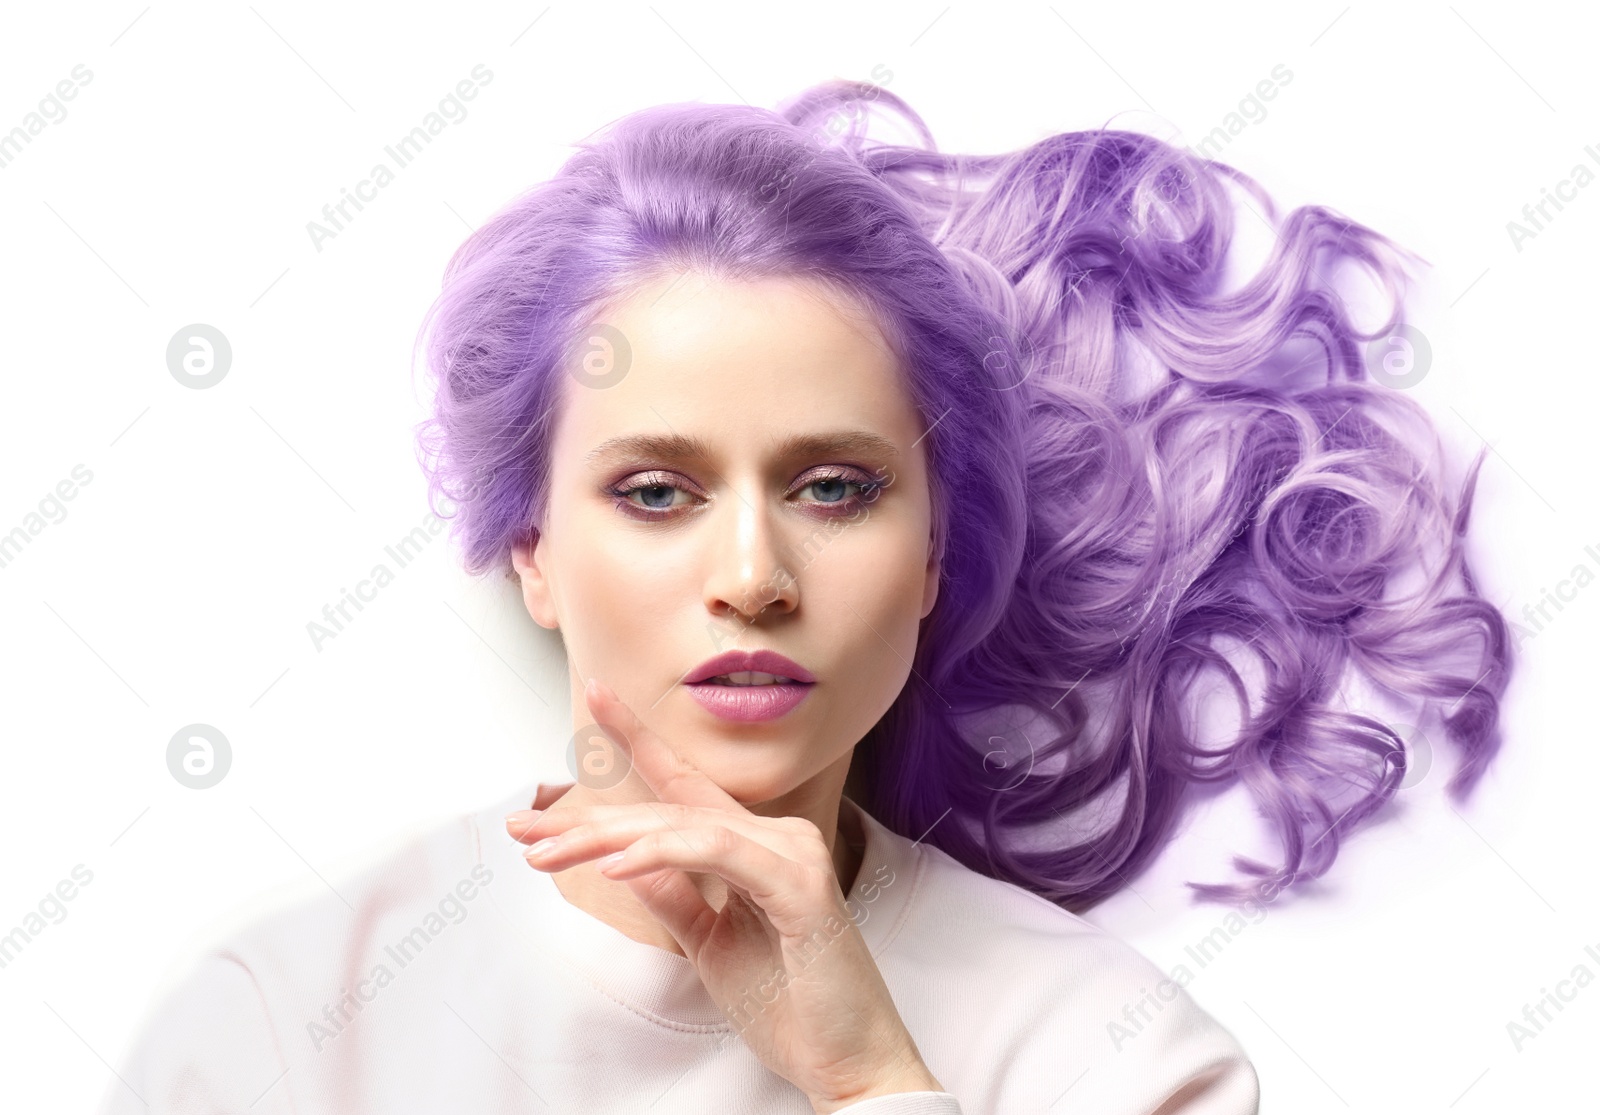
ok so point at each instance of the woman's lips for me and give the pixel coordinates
(748, 702)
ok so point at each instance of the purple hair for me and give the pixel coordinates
(1130, 490)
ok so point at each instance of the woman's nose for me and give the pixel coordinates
(747, 574)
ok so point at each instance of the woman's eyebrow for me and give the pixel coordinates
(682, 447)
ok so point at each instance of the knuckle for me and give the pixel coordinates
(718, 840)
(803, 826)
(655, 883)
(812, 879)
(819, 886)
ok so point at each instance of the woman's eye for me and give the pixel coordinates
(651, 497)
(830, 489)
(837, 489)
(656, 495)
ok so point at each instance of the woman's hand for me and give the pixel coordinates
(782, 957)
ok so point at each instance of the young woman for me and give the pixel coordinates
(889, 505)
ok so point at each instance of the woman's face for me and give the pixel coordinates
(718, 497)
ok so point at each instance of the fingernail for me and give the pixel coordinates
(544, 847)
(524, 817)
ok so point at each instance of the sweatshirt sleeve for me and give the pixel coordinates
(1227, 1087)
(1195, 1066)
(1060, 1015)
(1159, 1052)
(208, 1046)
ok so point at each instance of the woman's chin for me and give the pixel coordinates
(751, 792)
(751, 782)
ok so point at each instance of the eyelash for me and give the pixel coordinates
(868, 491)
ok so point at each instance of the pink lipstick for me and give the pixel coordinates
(748, 686)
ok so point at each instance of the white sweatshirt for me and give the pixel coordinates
(463, 980)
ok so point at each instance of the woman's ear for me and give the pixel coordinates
(930, 584)
(529, 558)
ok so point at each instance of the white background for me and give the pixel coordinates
(219, 522)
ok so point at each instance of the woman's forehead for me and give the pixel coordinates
(704, 314)
(746, 360)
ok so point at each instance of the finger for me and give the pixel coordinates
(598, 829)
(665, 771)
(584, 842)
(791, 895)
(520, 820)
(521, 825)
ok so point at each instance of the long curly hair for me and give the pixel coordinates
(1135, 488)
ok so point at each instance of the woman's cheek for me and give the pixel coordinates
(606, 589)
(892, 598)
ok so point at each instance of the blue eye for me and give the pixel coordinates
(654, 494)
(833, 489)
(656, 497)
(833, 484)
